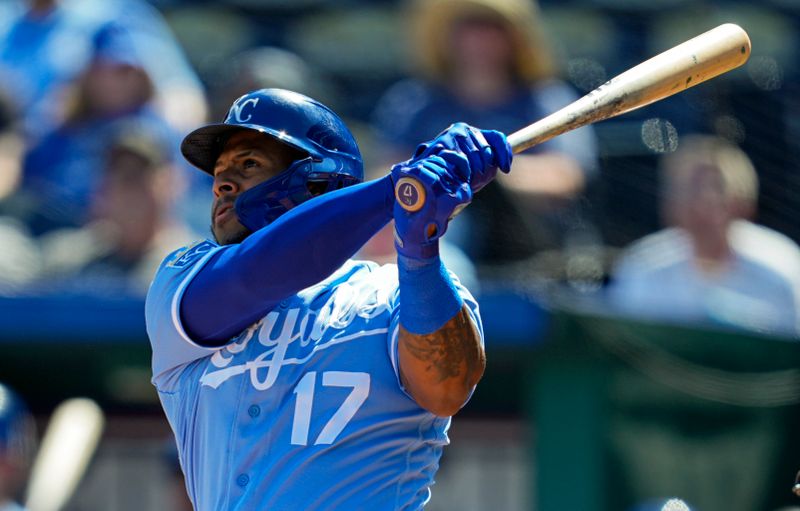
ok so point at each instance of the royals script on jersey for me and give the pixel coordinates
(304, 409)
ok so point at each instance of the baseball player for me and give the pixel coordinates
(292, 376)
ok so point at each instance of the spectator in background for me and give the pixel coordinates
(46, 44)
(61, 172)
(711, 264)
(43, 47)
(485, 62)
(17, 448)
(131, 228)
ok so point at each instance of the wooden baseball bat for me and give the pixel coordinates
(695, 61)
(67, 446)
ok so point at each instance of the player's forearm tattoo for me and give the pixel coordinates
(450, 352)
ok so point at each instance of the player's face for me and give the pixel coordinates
(247, 159)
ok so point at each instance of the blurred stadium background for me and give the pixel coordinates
(579, 409)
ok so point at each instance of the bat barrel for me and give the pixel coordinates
(695, 61)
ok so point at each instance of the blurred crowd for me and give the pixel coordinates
(95, 96)
(655, 216)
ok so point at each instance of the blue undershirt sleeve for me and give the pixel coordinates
(242, 282)
(428, 296)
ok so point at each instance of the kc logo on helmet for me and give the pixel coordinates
(238, 109)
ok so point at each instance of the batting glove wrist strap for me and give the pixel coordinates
(428, 295)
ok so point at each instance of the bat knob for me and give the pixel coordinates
(410, 194)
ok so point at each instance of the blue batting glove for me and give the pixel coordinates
(444, 181)
(487, 151)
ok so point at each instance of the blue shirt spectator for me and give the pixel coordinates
(61, 172)
(45, 45)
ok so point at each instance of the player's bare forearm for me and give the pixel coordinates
(440, 369)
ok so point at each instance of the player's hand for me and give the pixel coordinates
(444, 179)
(487, 151)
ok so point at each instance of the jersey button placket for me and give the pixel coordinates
(254, 411)
(243, 480)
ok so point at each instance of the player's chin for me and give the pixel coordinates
(230, 233)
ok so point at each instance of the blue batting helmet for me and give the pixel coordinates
(332, 158)
(17, 428)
